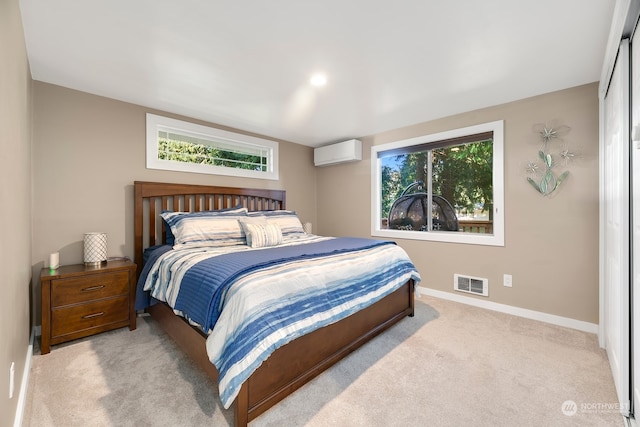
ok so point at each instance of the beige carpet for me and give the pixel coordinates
(450, 365)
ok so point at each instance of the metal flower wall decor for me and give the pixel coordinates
(553, 154)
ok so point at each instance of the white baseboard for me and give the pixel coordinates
(516, 311)
(24, 385)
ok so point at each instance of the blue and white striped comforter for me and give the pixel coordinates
(250, 311)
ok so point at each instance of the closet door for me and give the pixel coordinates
(635, 223)
(615, 224)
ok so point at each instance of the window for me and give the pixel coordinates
(187, 147)
(445, 187)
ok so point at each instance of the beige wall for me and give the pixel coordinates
(551, 244)
(88, 150)
(15, 194)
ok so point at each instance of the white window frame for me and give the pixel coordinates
(495, 239)
(155, 124)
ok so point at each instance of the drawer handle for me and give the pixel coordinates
(92, 288)
(91, 316)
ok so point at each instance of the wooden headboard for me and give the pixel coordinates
(151, 198)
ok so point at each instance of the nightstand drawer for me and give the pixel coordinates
(85, 316)
(88, 288)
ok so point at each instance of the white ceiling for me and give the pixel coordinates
(247, 63)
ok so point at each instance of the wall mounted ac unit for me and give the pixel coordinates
(342, 152)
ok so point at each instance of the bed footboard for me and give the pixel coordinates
(301, 360)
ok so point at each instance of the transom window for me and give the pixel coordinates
(182, 146)
(444, 187)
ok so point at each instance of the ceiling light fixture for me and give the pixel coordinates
(318, 80)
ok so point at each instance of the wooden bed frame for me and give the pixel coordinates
(289, 367)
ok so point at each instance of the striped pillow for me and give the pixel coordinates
(263, 235)
(170, 239)
(261, 219)
(288, 221)
(210, 228)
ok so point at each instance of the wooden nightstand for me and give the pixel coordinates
(79, 300)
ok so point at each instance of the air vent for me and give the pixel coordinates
(471, 285)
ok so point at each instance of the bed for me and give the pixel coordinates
(291, 365)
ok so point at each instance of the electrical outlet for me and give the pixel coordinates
(508, 280)
(12, 371)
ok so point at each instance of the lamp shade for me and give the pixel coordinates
(95, 248)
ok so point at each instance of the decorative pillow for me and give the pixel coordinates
(288, 221)
(263, 235)
(256, 219)
(209, 228)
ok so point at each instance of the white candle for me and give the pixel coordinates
(54, 260)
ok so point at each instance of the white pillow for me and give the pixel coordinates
(251, 220)
(263, 235)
